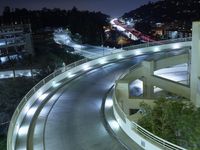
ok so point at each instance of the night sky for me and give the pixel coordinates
(114, 8)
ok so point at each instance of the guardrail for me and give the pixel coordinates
(163, 143)
(134, 127)
(14, 125)
(158, 43)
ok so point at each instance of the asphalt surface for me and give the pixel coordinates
(75, 122)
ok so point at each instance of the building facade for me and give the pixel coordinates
(15, 41)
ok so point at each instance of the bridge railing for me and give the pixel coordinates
(161, 142)
(158, 43)
(14, 125)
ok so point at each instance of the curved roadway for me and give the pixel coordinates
(75, 122)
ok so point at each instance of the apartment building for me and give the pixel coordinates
(15, 41)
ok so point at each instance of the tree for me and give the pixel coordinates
(173, 120)
(6, 15)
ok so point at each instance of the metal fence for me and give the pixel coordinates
(158, 43)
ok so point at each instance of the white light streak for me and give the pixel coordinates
(23, 130)
(108, 103)
(176, 46)
(156, 49)
(55, 84)
(114, 124)
(31, 111)
(119, 56)
(102, 61)
(43, 96)
(86, 67)
(70, 75)
(137, 52)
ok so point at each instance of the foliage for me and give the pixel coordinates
(3, 143)
(144, 27)
(50, 56)
(175, 121)
(11, 92)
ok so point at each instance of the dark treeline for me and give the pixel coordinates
(88, 24)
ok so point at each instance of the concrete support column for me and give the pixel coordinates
(195, 65)
(123, 89)
(189, 67)
(147, 83)
(147, 89)
(122, 92)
